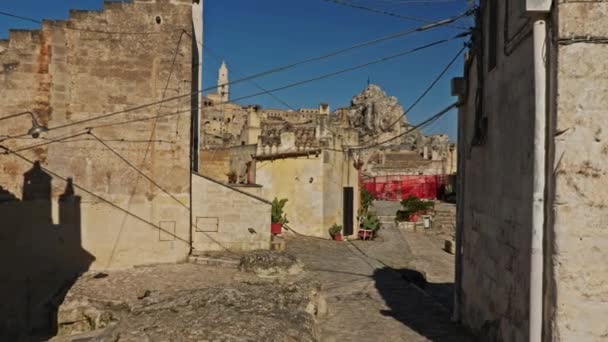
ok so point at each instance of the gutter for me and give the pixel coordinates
(537, 259)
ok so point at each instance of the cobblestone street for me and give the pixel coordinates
(367, 296)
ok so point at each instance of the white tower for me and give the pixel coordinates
(223, 89)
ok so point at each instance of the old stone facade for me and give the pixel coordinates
(496, 144)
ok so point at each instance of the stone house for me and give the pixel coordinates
(532, 164)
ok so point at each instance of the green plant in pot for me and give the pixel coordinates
(336, 232)
(231, 177)
(412, 207)
(369, 225)
(278, 217)
(366, 199)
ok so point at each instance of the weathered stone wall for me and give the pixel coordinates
(215, 163)
(578, 294)
(300, 181)
(223, 217)
(313, 186)
(496, 175)
(104, 62)
(218, 162)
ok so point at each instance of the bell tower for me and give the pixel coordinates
(223, 89)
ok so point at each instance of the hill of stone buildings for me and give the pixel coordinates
(372, 117)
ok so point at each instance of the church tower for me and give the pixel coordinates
(223, 89)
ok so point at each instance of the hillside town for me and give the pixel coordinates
(146, 196)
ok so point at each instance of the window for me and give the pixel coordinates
(493, 34)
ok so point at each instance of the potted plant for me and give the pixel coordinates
(231, 177)
(412, 207)
(335, 232)
(367, 198)
(278, 218)
(369, 226)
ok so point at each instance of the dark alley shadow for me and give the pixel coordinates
(423, 307)
(40, 260)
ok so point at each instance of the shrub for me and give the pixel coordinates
(277, 211)
(412, 206)
(366, 199)
(370, 222)
(335, 229)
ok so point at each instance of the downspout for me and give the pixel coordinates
(539, 180)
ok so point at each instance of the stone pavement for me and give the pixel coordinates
(367, 298)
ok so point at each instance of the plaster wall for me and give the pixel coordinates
(223, 217)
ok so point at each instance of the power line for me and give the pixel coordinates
(425, 122)
(391, 14)
(265, 73)
(6, 14)
(342, 71)
(138, 170)
(149, 145)
(245, 76)
(461, 35)
(65, 179)
(425, 92)
(422, 28)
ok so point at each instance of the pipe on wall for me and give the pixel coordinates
(539, 181)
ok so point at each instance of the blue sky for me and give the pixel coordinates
(254, 36)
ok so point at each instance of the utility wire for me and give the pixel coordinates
(391, 14)
(6, 14)
(137, 170)
(245, 76)
(425, 92)
(265, 73)
(65, 179)
(342, 71)
(422, 124)
(426, 27)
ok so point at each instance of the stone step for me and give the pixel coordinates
(201, 260)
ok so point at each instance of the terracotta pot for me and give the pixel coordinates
(337, 237)
(276, 228)
(365, 234)
(413, 218)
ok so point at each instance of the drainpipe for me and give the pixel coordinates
(538, 190)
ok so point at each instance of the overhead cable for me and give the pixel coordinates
(384, 59)
(342, 71)
(391, 14)
(66, 179)
(422, 28)
(177, 97)
(426, 91)
(11, 15)
(411, 129)
(126, 161)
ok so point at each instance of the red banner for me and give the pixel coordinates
(396, 188)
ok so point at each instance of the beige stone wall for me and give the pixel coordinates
(223, 216)
(497, 185)
(496, 194)
(314, 188)
(300, 181)
(578, 296)
(116, 59)
(215, 163)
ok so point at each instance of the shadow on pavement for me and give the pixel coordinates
(419, 305)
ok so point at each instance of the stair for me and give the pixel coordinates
(212, 261)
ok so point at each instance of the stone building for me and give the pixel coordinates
(311, 156)
(532, 147)
(125, 169)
